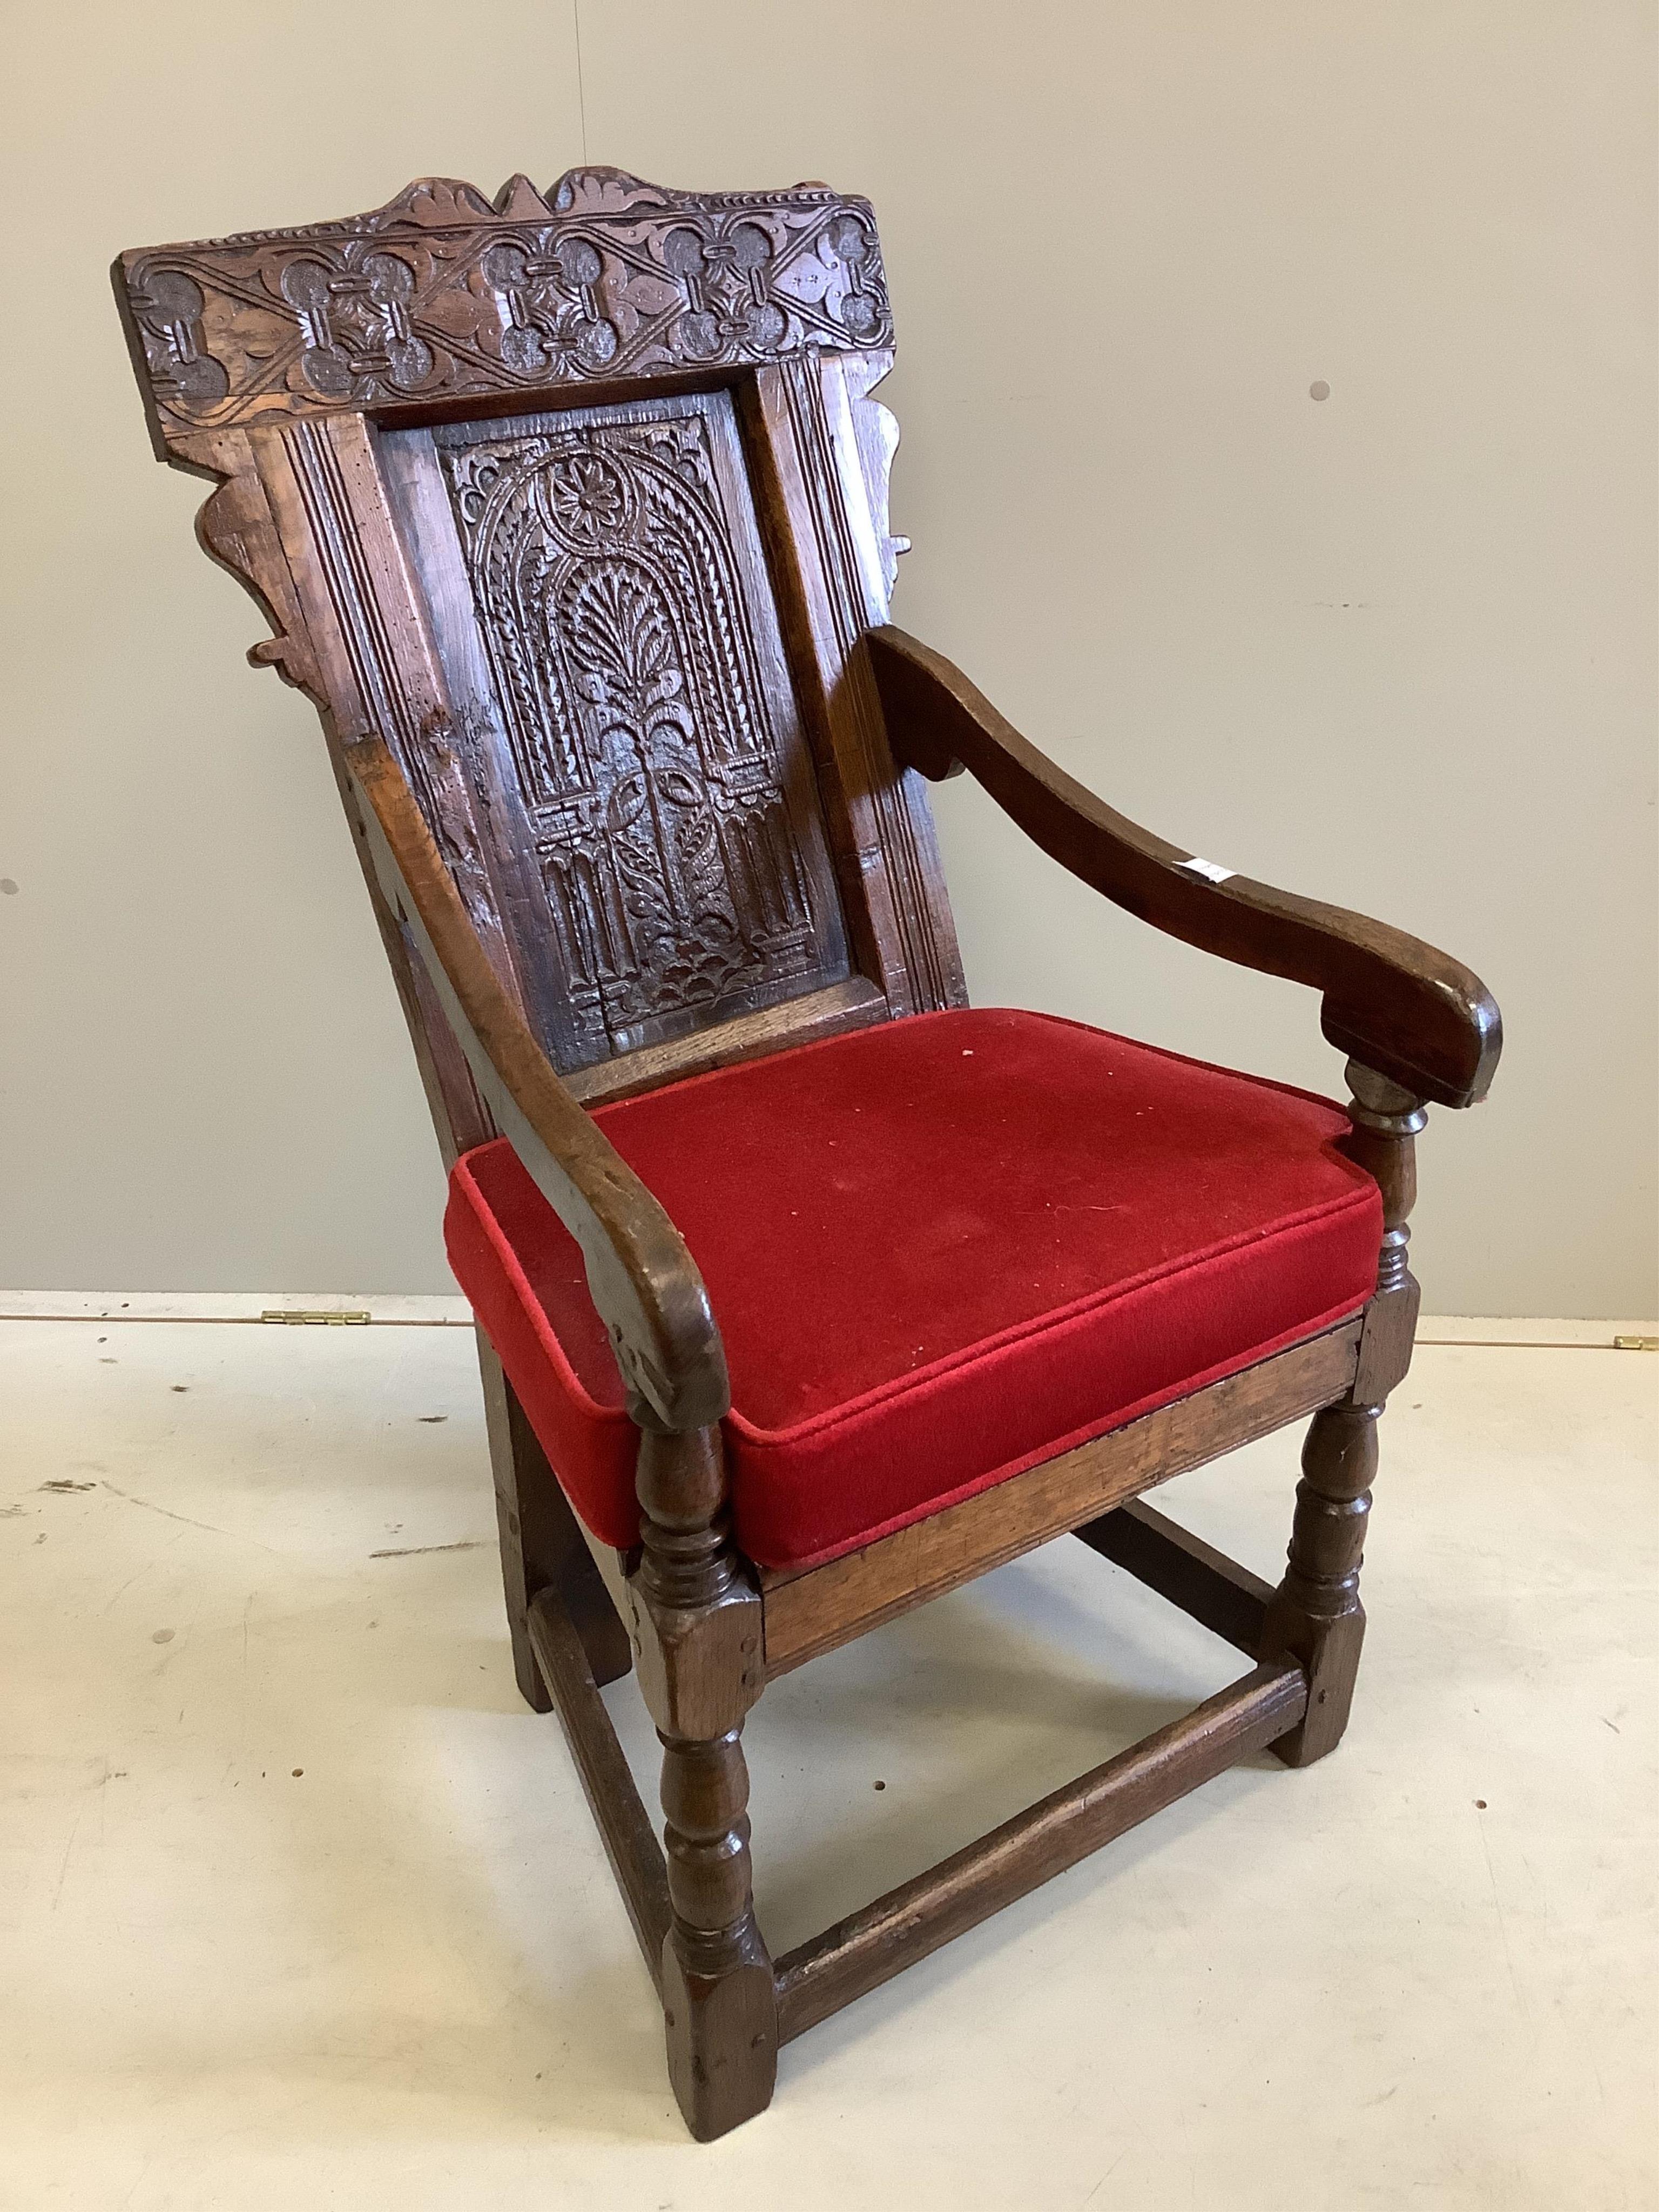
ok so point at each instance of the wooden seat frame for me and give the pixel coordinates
(294, 368)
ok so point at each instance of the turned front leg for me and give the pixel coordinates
(1316, 1616)
(717, 1989)
(697, 1617)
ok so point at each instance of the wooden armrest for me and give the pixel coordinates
(644, 1282)
(1389, 999)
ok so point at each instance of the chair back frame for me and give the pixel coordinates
(579, 502)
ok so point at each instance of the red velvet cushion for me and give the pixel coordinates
(939, 1251)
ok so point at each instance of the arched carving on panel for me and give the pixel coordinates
(638, 717)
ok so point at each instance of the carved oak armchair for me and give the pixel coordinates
(805, 1292)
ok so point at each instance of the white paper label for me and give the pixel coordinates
(1207, 869)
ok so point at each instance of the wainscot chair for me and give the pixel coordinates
(805, 1292)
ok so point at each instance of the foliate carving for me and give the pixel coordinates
(607, 593)
(441, 296)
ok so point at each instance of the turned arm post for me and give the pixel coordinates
(1386, 1121)
(1316, 1616)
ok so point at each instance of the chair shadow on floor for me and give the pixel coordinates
(869, 1765)
(426, 1919)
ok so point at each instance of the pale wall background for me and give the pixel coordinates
(1394, 649)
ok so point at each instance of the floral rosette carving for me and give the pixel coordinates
(442, 296)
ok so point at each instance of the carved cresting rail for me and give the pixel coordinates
(440, 295)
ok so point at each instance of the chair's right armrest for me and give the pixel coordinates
(1397, 1005)
(644, 1282)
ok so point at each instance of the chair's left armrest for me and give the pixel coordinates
(645, 1284)
(1388, 1000)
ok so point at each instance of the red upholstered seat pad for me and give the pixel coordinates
(940, 1251)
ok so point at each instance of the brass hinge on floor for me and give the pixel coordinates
(1635, 1343)
(302, 1317)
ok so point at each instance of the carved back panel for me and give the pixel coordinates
(580, 500)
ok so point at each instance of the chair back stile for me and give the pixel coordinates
(578, 500)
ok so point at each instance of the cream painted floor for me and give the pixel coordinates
(301, 1907)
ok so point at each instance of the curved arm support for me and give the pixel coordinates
(644, 1282)
(1388, 1000)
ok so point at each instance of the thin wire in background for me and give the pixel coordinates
(582, 90)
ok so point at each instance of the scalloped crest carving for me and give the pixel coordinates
(441, 296)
